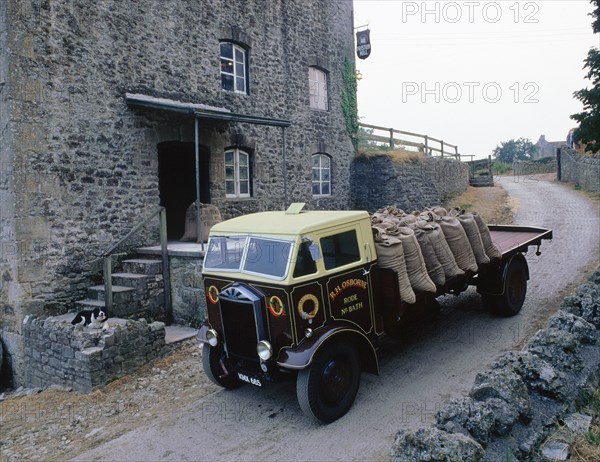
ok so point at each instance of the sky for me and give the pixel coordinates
(474, 73)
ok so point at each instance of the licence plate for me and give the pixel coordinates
(251, 380)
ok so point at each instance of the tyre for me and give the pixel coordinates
(327, 388)
(211, 361)
(511, 301)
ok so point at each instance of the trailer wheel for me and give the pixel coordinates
(511, 301)
(211, 361)
(327, 388)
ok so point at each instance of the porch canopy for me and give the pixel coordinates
(203, 111)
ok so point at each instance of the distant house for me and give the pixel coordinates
(104, 106)
(546, 148)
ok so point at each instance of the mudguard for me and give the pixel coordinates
(301, 356)
(495, 283)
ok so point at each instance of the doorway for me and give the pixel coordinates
(177, 182)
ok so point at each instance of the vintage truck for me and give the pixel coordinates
(299, 295)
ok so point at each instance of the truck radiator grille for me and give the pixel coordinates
(239, 328)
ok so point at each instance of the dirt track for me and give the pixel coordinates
(437, 363)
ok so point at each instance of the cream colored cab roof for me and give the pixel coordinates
(286, 224)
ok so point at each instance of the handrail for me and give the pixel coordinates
(107, 265)
(424, 146)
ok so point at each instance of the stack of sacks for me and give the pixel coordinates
(436, 245)
(389, 228)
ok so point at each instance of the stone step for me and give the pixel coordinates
(133, 280)
(176, 334)
(90, 304)
(121, 294)
(142, 266)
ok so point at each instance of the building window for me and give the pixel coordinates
(237, 173)
(321, 175)
(234, 69)
(317, 84)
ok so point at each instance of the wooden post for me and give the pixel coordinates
(456, 154)
(426, 145)
(442, 144)
(108, 296)
(165, 266)
(391, 138)
(490, 167)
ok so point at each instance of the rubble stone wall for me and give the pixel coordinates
(84, 357)
(514, 408)
(187, 289)
(582, 170)
(378, 180)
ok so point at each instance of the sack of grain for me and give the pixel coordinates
(441, 249)
(490, 248)
(435, 270)
(467, 220)
(209, 216)
(390, 255)
(415, 264)
(440, 211)
(459, 243)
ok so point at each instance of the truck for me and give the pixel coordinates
(299, 295)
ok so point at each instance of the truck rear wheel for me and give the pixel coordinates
(327, 388)
(511, 301)
(211, 361)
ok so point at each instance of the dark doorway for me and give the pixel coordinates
(177, 182)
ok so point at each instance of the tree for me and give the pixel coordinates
(521, 149)
(589, 120)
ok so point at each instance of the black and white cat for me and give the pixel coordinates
(86, 317)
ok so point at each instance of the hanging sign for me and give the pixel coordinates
(363, 44)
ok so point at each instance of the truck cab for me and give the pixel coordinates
(290, 294)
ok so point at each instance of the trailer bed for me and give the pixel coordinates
(512, 239)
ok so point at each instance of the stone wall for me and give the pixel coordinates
(378, 180)
(84, 357)
(582, 170)
(513, 408)
(187, 289)
(83, 166)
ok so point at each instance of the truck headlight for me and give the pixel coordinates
(212, 337)
(264, 350)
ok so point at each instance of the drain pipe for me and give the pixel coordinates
(285, 192)
(198, 207)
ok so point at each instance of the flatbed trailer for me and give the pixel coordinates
(301, 296)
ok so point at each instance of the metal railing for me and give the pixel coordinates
(107, 264)
(424, 143)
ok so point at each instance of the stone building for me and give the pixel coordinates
(104, 104)
(546, 148)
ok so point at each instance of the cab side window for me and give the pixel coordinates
(340, 249)
(305, 264)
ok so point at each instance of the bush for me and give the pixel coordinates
(499, 167)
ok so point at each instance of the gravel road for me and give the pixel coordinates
(436, 363)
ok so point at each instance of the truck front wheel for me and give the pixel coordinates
(211, 361)
(511, 301)
(327, 388)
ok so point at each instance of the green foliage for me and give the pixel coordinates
(509, 151)
(592, 438)
(500, 168)
(589, 120)
(349, 101)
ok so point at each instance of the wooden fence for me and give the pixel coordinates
(402, 139)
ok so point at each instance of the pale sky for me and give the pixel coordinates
(499, 70)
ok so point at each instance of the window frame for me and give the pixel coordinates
(320, 181)
(237, 181)
(236, 77)
(336, 240)
(321, 89)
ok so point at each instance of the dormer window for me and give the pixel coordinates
(234, 68)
